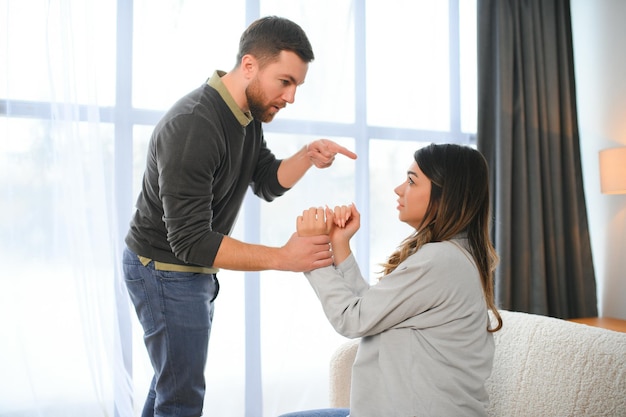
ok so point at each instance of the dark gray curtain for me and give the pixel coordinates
(528, 131)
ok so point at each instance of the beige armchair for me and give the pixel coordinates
(542, 367)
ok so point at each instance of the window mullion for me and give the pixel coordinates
(123, 173)
(361, 135)
(455, 69)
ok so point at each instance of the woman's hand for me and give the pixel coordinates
(314, 221)
(346, 222)
(340, 224)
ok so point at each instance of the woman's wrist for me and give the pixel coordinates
(341, 251)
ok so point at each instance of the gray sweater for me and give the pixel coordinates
(425, 349)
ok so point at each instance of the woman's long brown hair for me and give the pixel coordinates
(459, 202)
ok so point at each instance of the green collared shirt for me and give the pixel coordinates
(216, 82)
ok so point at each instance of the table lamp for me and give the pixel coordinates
(613, 171)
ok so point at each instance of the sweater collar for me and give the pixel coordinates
(216, 82)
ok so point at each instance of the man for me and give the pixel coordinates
(202, 156)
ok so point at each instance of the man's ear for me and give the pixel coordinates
(249, 66)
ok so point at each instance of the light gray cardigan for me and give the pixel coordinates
(425, 349)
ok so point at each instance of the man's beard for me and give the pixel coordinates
(256, 103)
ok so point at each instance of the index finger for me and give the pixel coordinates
(340, 149)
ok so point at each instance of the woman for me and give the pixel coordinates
(426, 344)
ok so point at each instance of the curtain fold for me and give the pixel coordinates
(59, 354)
(527, 130)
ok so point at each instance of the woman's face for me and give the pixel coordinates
(413, 197)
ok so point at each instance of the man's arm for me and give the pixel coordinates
(299, 254)
(320, 153)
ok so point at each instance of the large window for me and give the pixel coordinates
(83, 82)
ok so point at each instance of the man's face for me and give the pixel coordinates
(275, 85)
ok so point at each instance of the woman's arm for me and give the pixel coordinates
(347, 221)
(438, 276)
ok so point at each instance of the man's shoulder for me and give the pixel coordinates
(203, 101)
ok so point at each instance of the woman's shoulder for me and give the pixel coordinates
(447, 251)
(455, 244)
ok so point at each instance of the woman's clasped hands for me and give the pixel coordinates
(340, 224)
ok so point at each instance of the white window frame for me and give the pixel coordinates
(124, 116)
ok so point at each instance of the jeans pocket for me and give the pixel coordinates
(139, 295)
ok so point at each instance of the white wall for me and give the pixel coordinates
(600, 59)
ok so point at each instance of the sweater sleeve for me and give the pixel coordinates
(185, 183)
(425, 281)
(265, 183)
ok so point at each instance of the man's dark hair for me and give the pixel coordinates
(266, 37)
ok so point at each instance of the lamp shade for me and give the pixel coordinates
(613, 171)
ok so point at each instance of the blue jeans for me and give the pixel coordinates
(326, 412)
(175, 310)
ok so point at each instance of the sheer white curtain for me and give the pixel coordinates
(59, 350)
(60, 175)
